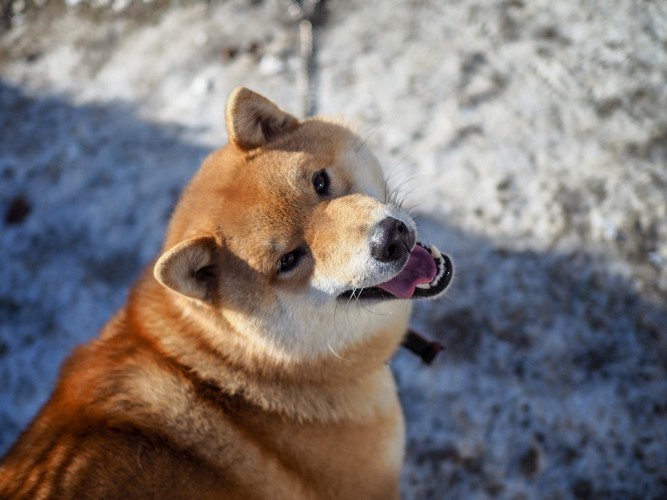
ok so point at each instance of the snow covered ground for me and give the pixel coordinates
(531, 136)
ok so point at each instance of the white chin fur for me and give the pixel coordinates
(314, 328)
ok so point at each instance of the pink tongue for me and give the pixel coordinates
(420, 268)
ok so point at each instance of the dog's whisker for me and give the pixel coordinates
(336, 354)
(363, 138)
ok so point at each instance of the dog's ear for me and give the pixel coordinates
(253, 120)
(189, 268)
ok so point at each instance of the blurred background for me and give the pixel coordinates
(530, 136)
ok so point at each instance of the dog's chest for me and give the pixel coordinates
(346, 458)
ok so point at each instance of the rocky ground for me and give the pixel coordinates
(531, 137)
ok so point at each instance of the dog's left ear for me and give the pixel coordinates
(253, 120)
(189, 268)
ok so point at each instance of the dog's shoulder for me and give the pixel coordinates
(112, 427)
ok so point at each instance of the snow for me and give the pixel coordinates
(530, 137)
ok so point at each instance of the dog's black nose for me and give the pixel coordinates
(391, 240)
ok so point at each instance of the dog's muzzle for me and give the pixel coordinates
(425, 272)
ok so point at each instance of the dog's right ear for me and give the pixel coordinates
(189, 268)
(252, 120)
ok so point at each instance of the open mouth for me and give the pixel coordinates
(427, 273)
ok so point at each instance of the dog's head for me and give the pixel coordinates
(289, 226)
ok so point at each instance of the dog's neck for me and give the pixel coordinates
(216, 357)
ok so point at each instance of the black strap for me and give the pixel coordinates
(421, 346)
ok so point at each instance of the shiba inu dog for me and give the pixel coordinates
(251, 359)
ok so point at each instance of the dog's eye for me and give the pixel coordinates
(289, 261)
(321, 182)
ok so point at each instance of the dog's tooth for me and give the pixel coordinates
(424, 286)
(435, 252)
(440, 274)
